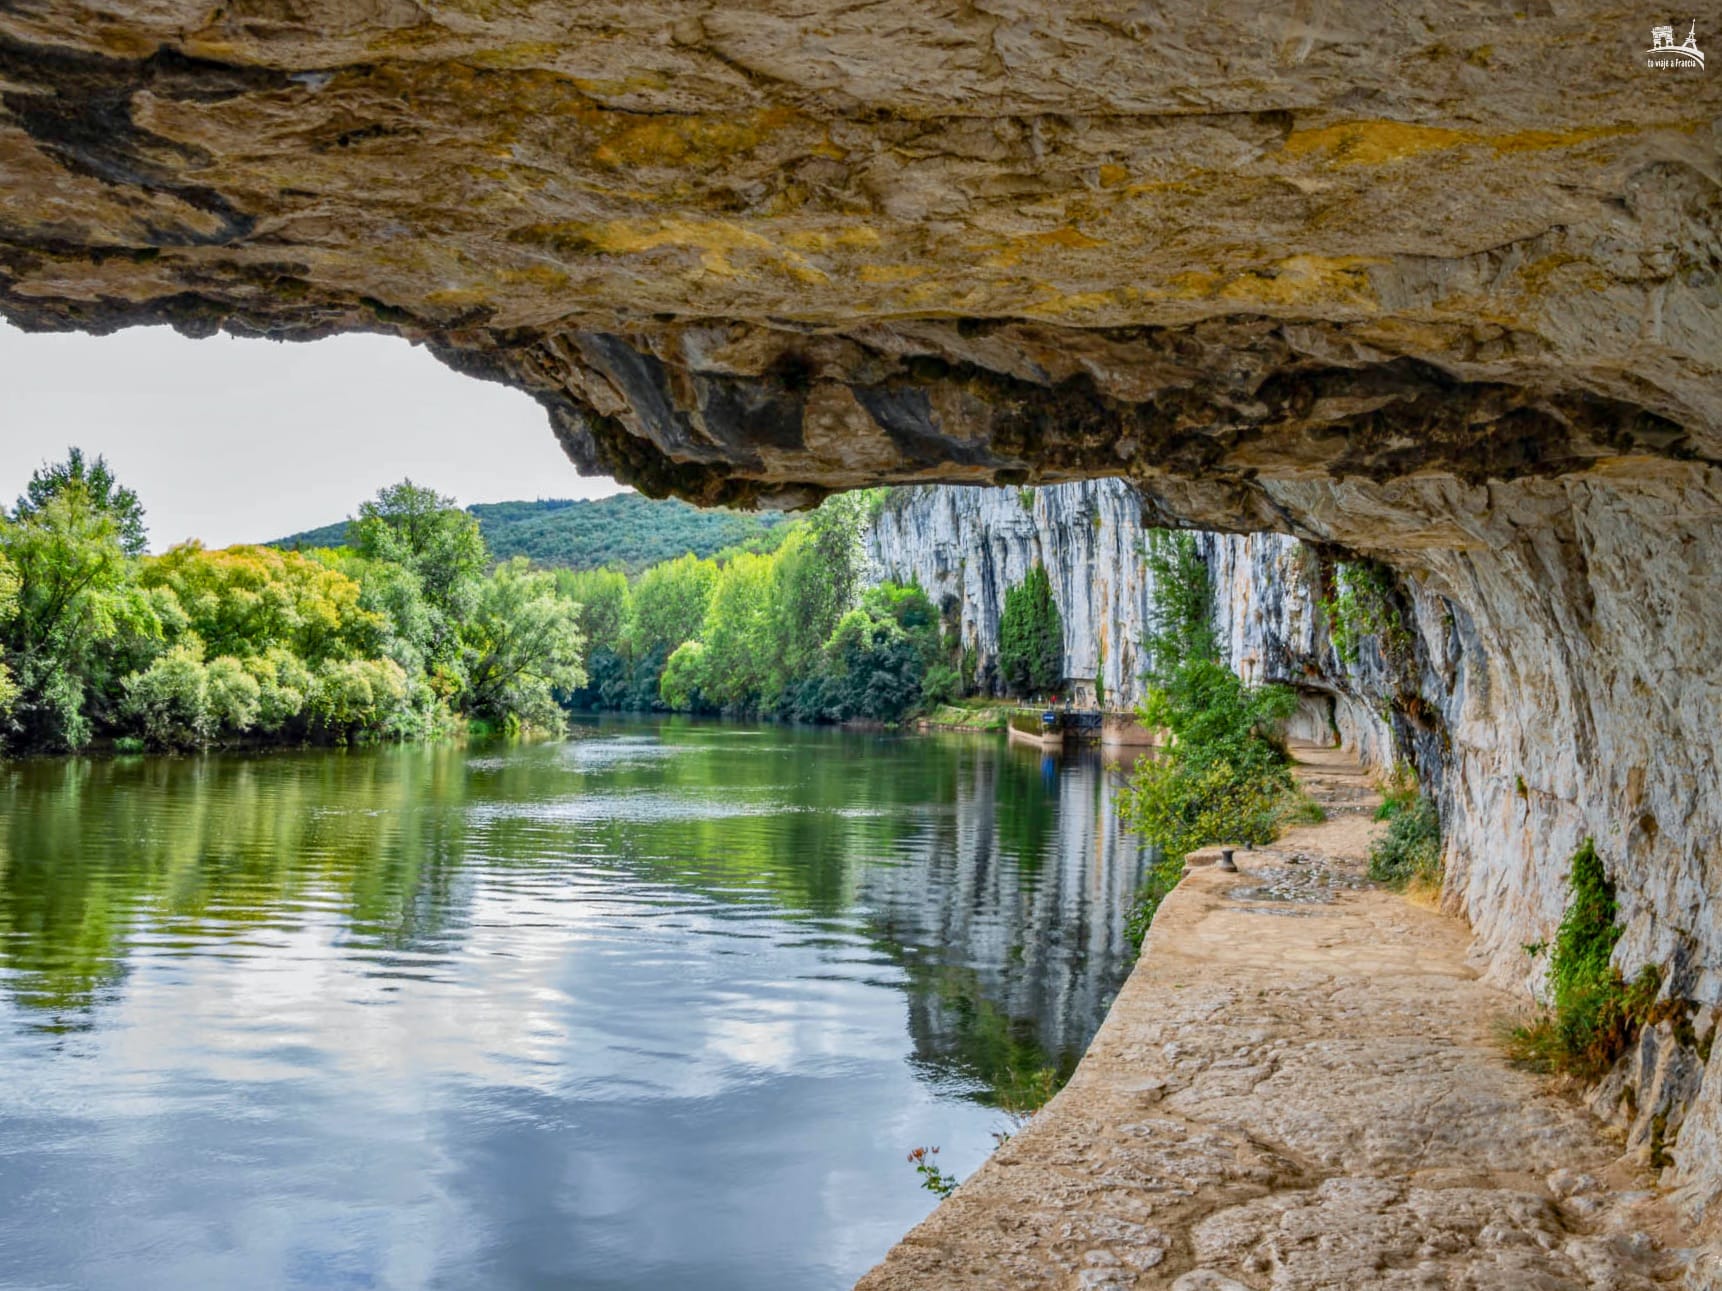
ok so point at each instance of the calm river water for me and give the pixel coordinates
(663, 1005)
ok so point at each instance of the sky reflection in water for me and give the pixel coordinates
(661, 1004)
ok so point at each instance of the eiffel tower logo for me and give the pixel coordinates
(1663, 52)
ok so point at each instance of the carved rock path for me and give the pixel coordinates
(1302, 1086)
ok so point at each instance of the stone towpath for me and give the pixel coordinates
(1300, 1086)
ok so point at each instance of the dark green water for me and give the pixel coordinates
(660, 1006)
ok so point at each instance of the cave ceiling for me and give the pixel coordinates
(748, 254)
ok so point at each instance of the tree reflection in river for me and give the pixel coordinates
(297, 958)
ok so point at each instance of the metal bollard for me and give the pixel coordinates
(1226, 862)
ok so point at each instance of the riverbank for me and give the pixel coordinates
(1301, 1086)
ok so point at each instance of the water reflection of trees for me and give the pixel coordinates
(997, 887)
(97, 856)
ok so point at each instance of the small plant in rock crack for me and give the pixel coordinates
(933, 1179)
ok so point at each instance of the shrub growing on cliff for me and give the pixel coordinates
(1593, 1012)
(1224, 776)
(1031, 637)
(1361, 608)
(1409, 853)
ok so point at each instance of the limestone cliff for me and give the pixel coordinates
(968, 546)
(1438, 285)
(1510, 726)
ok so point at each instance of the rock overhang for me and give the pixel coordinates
(1441, 285)
(750, 256)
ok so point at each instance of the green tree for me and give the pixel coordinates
(682, 686)
(1223, 775)
(737, 633)
(874, 668)
(8, 603)
(284, 688)
(75, 596)
(669, 604)
(428, 535)
(523, 644)
(818, 575)
(395, 598)
(605, 601)
(100, 489)
(242, 601)
(906, 605)
(1181, 612)
(1031, 637)
(354, 699)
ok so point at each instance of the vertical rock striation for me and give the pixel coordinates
(967, 547)
(1550, 677)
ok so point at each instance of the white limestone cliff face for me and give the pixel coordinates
(968, 546)
(1557, 684)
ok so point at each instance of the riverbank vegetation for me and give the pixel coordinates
(786, 633)
(407, 625)
(789, 633)
(1224, 775)
(404, 633)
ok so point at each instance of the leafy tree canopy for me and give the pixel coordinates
(524, 646)
(1031, 637)
(428, 533)
(243, 601)
(670, 603)
(103, 492)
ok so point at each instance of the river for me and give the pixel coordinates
(663, 1004)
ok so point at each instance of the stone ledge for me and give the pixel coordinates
(1300, 1087)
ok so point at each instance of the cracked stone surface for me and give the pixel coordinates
(1282, 1104)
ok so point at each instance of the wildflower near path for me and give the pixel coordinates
(1302, 1086)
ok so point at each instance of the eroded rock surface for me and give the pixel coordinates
(1436, 284)
(762, 251)
(1301, 1087)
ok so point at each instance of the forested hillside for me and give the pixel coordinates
(626, 531)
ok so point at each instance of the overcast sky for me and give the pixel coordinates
(242, 441)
